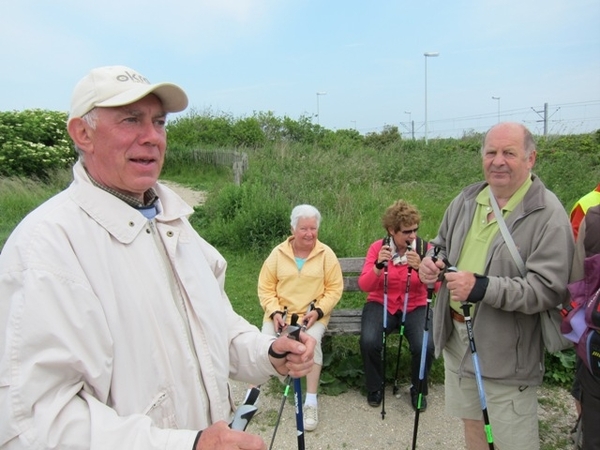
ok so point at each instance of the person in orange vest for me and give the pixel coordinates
(578, 213)
(580, 208)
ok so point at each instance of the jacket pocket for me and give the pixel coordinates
(161, 411)
(519, 351)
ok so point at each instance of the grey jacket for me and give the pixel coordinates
(506, 325)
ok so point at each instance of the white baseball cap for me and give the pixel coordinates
(119, 85)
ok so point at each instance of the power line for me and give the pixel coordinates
(587, 119)
(574, 118)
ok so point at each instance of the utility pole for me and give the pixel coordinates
(544, 117)
(411, 124)
(498, 100)
(318, 115)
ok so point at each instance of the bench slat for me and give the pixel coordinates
(351, 284)
(351, 265)
(344, 321)
(347, 321)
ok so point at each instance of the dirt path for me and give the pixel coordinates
(346, 421)
(191, 196)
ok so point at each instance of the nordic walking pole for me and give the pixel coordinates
(408, 248)
(295, 334)
(299, 417)
(288, 383)
(466, 307)
(386, 241)
(430, 289)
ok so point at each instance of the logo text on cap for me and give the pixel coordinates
(136, 78)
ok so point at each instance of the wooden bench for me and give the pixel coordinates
(347, 321)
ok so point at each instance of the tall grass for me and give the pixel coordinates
(202, 177)
(19, 196)
(352, 186)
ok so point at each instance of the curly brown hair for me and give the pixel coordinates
(399, 214)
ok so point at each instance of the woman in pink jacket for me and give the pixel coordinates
(401, 251)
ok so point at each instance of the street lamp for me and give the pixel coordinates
(497, 98)
(319, 117)
(427, 55)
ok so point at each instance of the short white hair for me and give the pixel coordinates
(306, 212)
(91, 118)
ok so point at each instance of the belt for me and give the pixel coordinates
(457, 316)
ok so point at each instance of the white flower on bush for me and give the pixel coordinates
(34, 142)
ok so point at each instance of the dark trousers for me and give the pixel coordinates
(371, 340)
(590, 407)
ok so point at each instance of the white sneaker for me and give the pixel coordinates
(311, 417)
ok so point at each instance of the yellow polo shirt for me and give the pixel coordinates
(482, 233)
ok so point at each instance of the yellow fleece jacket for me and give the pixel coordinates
(281, 284)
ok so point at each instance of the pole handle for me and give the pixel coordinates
(242, 417)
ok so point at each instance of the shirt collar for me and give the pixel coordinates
(150, 196)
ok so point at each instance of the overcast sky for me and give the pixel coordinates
(366, 58)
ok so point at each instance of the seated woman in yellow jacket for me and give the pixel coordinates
(299, 271)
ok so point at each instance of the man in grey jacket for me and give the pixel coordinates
(115, 329)
(505, 306)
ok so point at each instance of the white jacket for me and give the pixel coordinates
(94, 352)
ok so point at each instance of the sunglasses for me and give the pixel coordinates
(409, 232)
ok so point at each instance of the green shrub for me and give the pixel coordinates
(248, 133)
(34, 143)
(389, 136)
(560, 368)
(206, 130)
(249, 217)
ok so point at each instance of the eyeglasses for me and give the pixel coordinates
(409, 232)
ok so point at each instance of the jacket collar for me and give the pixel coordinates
(121, 220)
(533, 200)
(286, 248)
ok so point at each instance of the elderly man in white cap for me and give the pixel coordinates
(115, 330)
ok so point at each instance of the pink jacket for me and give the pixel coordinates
(369, 282)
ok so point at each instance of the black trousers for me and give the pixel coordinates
(590, 407)
(371, 342)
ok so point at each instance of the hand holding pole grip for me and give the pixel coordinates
(293, 331)
(283, 318)
(386, 243)
(242, 417)
(305, 321)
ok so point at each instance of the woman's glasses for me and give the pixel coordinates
(409, 232)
